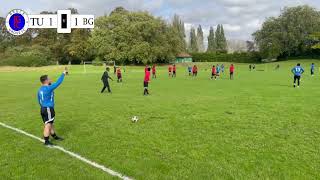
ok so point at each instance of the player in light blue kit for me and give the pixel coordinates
(46, 101)
(297, 71)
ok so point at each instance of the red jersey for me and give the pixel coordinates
(147, 76)
(195, 69)
(154, 69)
(170, 68)
(146, 68)
(118, 71)
(231, 68)
(214, 70)
(174, 68)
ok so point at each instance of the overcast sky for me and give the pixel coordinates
(240, 17)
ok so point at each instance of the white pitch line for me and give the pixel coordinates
(75, 155)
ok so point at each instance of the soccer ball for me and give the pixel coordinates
(134, 119)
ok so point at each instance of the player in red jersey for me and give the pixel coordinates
(214, 73)
(174, 71)
(170, 70)
(194, 70)
(154, 75)
(146, 82)
(231, 71)
(119, 75)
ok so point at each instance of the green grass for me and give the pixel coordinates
(254, 127)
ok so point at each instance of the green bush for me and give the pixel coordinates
(235, 57)
(28, 61)
(27, 56)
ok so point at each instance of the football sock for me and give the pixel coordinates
(46, 139)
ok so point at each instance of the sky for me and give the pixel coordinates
(240, 17)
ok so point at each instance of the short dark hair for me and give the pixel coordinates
(298, 64)
(43, 78)
(149, 69)
(107, 69)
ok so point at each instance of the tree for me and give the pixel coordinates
(288, 34)
(211, 41)
(223, 40)
(178, 25)
(316, 39)
(200, 38)
(134, 37)
(250, 46)
(193, 41)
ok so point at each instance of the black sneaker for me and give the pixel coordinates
(48, 143)
(58, 138)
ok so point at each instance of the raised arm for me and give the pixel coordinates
(57, 84)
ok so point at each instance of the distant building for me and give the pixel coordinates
(183, 58)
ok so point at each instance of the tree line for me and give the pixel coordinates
(292, 34)
(138, 38)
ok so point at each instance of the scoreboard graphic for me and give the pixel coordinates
(18, 21)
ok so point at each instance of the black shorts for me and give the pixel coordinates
(312, 72)
(213, 74)
(174, 72)
(48, 115)
(231, 73)
(119, 76)
(145, 84)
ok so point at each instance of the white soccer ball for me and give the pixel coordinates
(134, 119)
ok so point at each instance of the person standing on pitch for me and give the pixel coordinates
(218, 69)
(170, 70)
(46, 102)
(231, 71)
(190, 70)
(222, 68)
(194, 71)
(105, 79)
(146, 82)
(297, 71)
(119, 75)
(312, 69)
(154, 71)
(174, 71)
(213, 73)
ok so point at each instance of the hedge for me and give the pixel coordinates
(253, 57)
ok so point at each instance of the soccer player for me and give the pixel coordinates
(214, 73)
(312, 69)
(146, 82)
(250, 67)
(194, 70)
(297, 71)
(66, 70)
(46, 101)
(154, 75)
(119, 75)
(105, 79)
(231, 71)
(146, 68)
(222, 68)
(170, 70)
(174, 71)
(218, 69)
(114, 69)
(190, 70)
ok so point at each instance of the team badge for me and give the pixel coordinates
(17, 22)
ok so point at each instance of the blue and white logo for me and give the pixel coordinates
(17, 22)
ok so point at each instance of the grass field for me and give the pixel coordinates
(254, 127)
